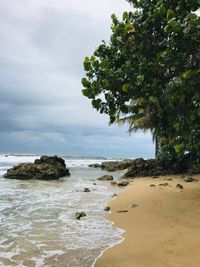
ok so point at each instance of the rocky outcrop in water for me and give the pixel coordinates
(45, 168)
(150, 167)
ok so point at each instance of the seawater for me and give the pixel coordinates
(37, 218)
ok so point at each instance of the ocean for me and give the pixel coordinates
(37, 218)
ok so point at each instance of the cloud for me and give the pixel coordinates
(43, 44)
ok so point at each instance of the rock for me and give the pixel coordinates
(87, 190)
(94, 184)
(95, 165)
(107, 208)
(155, 177)
(116, 165)
(45, 168)
(114, 195)
(79, 215)
(151, 167)
(105, 178)
(152, 185)
(123, 183)
(132, 206)
(188, 179)
(179, 186)
(121, 211)
(164, 184)
(113, 183)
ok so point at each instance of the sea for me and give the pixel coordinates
(37, 218)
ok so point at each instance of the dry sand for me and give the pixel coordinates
(162, 231)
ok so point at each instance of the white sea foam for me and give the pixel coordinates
(38, 222)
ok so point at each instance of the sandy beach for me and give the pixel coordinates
(162, 228)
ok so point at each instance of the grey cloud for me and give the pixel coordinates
(43, 44)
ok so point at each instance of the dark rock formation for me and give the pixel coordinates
(151, 167)
(105, 178)
(45, 168)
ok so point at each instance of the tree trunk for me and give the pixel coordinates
(157, 147)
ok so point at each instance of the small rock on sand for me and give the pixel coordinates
(179, 186)
(123, 183)
(188, 179)
(164, 184)
(152, 185)
(121, 211)
(155, 177)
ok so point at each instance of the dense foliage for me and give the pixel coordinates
(149, 74)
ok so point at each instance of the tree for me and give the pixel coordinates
(149, 74)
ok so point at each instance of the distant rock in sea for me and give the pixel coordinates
(45, 168)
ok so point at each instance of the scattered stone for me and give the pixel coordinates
(87, 190)
(94, 184)
(123, 183)
(152, 185)
(188, 179)
(164, 184)
(45, 168)
(113, 183)
(105, 178)
(114, 195)
(179, 186)
(155, 177)
(132, 206)
(107, 208)
(121, 211)
(79, 215)
(168, 179)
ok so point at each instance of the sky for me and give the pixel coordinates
(42, 49)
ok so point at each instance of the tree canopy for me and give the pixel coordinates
(148, 74)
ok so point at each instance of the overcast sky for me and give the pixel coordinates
(42, 48)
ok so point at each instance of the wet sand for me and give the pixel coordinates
(163, 230)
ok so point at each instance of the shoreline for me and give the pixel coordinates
(162, 230)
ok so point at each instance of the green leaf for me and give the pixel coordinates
(188, 74)
(96, 103)
(93, 58)
(170, 13)
(125, 15)
(85, 82)
(129, 27)
(178, 149)
(125, 87)
(167, 28)
(153, 99)
(140, 78)
(86, 92)
(87, 65)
